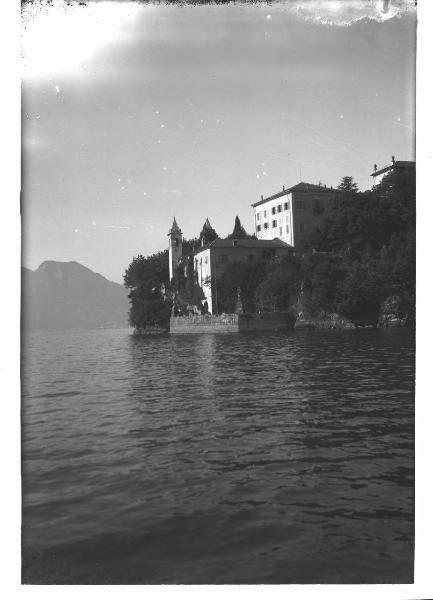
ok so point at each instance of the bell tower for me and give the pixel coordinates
(174, 247)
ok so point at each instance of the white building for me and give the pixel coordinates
(396, 165)
(294, 213)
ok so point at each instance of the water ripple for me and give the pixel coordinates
(218, 459)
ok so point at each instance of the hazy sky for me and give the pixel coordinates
(134, 113)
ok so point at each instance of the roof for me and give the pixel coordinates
(299, 187)
(244, 243)
(175, 227)
(398, 164)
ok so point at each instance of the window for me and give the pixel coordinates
(287, 229)
(265, 214)
(281, 231)
(274, 210)
(274, 224)
(300, 204)
(286, 206)
(279, 208)
(258, 216)
(259, 227)
(318, 205)
(301, 227)
(265, 225)
(205, 260)
(223, 258)
(251, 257)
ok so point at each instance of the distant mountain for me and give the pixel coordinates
(67, 295)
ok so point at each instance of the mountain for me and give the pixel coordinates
(67, 295)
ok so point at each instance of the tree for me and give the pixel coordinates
(207, 234)
(152, 270)
(265, 286)
(321, 274)
(280, 289)
(347, 184)
(245, 276)
(190, 245)
(145, 278)
(360, 294)
(239, 232)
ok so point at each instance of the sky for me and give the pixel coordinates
(134, 113)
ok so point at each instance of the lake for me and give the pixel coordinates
(218, 458)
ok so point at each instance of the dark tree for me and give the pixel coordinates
(347, 184)
(321, 274)
(265, 286)
(239, 232)
(207, 234)
(245, 276)
(146, 278)
(189, 246)
(280, 289)
(150, 271)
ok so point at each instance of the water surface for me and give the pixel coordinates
(218, 459)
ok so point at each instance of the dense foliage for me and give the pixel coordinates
(368, 243)
(144, 278)
(265, 286)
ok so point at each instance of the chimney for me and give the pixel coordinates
(283, 188)
(375, 166)
(262, 197)
(393, 160)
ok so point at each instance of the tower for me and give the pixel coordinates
(174, 247)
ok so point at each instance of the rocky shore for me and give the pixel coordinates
(393, 313)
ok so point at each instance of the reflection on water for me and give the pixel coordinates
(218, 459)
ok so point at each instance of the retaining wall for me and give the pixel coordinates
(231, 323)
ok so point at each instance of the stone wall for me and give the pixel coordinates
(231, 323)
(205, 324)
(326, 321)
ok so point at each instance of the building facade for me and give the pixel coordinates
(293, 214)
(212, 260)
